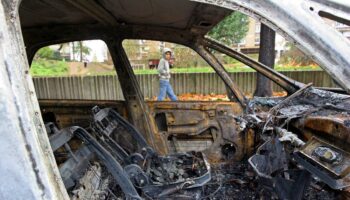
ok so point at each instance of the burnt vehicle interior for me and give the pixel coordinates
(294, 147)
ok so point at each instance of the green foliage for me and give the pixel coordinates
(45, 53)
(132, 49)
(297, 68)
(48, 68)
(229, 60)
(295, 57)
(232, 29)
(77, 48)
(186, 57)
(236, 68)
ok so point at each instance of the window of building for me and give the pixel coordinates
(257, 27)
(242, 42)
(257, 39)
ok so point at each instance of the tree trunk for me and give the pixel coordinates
(267, 57)
(81, 50)
(73, 51)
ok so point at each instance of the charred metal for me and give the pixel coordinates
(290, 150)
(132, 166)
(290, 147)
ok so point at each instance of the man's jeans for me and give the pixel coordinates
(165, 88)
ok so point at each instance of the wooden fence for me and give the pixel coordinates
(107, 87)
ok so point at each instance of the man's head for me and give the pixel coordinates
(167, 53)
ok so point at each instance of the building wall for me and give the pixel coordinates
(252, 39)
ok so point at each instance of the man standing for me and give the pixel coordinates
(164, 76)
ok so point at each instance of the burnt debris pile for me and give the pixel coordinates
(94, 163)
(178, 168)
(300, 152)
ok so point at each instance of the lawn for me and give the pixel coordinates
(61, 68)
(236, 68)
(49, 68)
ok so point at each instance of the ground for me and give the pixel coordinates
(77, 68)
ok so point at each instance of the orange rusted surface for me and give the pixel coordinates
(198, 121)
(334, 127)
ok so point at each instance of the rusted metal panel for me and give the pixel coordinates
(329, 126)
(76, 112)
(212, 122)
(206, 121)
(137, 110)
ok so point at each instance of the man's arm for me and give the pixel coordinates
(162, 68)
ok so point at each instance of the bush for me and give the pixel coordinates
(186, 57)
(295, 57)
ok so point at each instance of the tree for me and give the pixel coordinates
(231, 30)
(81, 49)
(267, 57)
(293, 56)
(185, 57)
(132, 49)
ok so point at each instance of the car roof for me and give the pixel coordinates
(46, 22)
(179, 14)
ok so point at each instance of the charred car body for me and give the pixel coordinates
(157, 176)
(288, 141)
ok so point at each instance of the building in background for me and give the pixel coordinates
(251, 42)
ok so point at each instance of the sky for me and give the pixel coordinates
(98, 50)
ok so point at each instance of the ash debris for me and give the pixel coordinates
(172, 169)
(240, 182)
(232, 181)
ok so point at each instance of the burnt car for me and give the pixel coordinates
(289, 141)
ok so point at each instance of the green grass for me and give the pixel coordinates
(49, 68)
(177, 70)
(228, 59)
(60, 68)
(297, 68)
(236, 68)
